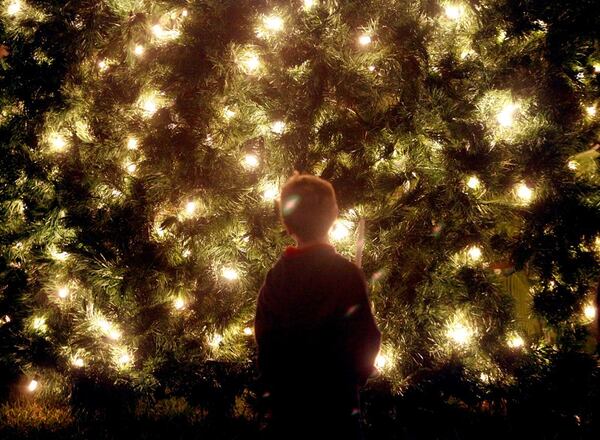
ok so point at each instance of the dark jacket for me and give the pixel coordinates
(317, 338)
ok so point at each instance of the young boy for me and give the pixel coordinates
(317, 338)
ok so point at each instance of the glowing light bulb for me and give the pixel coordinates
(340, 230)
(149, 105)
(590, 311)
(250, 63)
(124, 359)
(230, 274)
(273, 23)
(524, 193)
(459, 333)
(251, 161)
(163, 34)
(473, 182)
(454, 12)
(248, 331)
(130, 167)
(573, 165)
(474, 253)
(57, 142)
(309, 4)
(63, 292)
(78, 362)
(506, 117)
(58, 255)
(591, 111)
(215, 341)
(191, 208)
(597, 68)
(371, 68)
(228, 113)
(381, 361)
(139, 50)
(14, 7)
(516, 341)
(5, 319)
(179, 303)
(103, 65)
(278, 127)
(33, 385)
(270, 192)
(114, 334)
(39, 323)
(132, 143)
(364, 40)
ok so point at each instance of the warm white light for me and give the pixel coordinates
(186, 253)
(124, 359)
(251, 161)
(591, 111)
(459, 333)
(149, 105)
(573, 165)
(230, 274)
(273, 23)
(103, 65)
(250, 62)
(39, 323)
(516, 341)
(132, 143)
(597, 68)
(309, 4)
(228, 113)
(371, 68)
(130, 167)
(454, 12)
(340, 230)
(78, 362)
(191, 208)
(473, 182)
(163, 34)
(63, 292)
(114, 334)
(364, 40)
(58, 255)
(216, 340)
(524, 192)
(278, 127)
(590, 311)
(57, 142)
(380, 361)
(5, 319)
(474, 253)
(270, 192)
(507, 115)
(179, 303)
(139, 50)
(14, 7)
(248, 331)
(33, 385)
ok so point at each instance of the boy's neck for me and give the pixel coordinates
(301, 244)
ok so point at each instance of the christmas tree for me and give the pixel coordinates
(144, 144)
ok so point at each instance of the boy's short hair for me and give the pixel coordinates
(308, 206)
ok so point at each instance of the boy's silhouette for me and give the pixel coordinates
(317, 338)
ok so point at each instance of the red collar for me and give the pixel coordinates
(293, 251)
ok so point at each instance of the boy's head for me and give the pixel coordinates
(308, 206)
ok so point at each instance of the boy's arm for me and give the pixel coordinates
(361, 337)
(263, 332)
